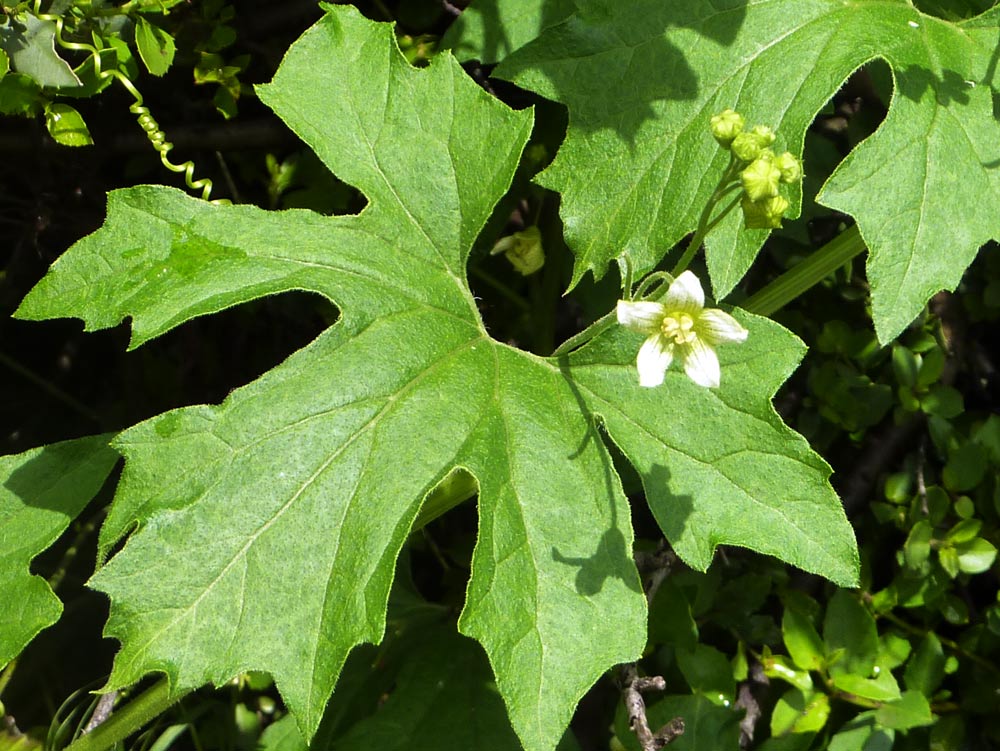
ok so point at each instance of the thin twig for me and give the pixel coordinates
(653, 568)
(105, 706)
(10, 727)
(747, 701)
(632, 688)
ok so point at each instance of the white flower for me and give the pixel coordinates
(680, 325)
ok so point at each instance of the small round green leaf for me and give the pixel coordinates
(942, 401)
(965, 530)
(965, 468)
(925, 669)
(905, 365)
(975, 556)
(66, 125)
(779, 666)
(911, 710)
(802, 640)
(708, 672)
(917, 548)
(800, 711)
(156, 47)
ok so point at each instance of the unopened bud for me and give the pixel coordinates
(523, 249)
(764, 214)
(748, 146)
(760, 180)
(790, 167)
(726, 126)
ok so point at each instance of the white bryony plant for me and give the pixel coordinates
(680, 325)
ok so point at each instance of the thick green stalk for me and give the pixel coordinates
(810, 272)
(129, 718)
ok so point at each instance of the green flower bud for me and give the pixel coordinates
(760, 180)
(523, 249)
(748, 146)
(790, 167)
(726, 126)
(764, 214)
(765, 134)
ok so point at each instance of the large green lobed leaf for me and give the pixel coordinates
(265, 530)
(641, 80)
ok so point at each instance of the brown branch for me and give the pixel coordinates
(105, 706)
(633, 687)
(747, 701)
(653, 568)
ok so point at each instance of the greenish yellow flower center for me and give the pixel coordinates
(679, 327)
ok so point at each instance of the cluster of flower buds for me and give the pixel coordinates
(762, 171)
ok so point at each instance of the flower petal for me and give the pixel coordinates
(655, 356)
(701, 364)
(685, 294)
(643, 317)
(716, 326)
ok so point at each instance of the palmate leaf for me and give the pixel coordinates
(641, 80)
(43, 491)
(265, 529)
(490, 31)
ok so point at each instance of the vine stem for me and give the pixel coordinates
(145, 118)
(129, 718)
(6, 674)
(599, 326)
(807, 274)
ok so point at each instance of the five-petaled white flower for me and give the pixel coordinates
(680, 325)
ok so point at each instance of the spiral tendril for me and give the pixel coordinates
(157, 137)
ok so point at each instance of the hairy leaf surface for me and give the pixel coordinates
(44, 490)
(642, 79)
(266, 528)
(489, 30)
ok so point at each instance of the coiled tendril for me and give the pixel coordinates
(142, 114)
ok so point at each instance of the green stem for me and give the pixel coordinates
(810, 272)
(649, 281)
(599, 326)
(6, 674)
(545, 286)
(722, 215)
(705, 221)
(502, 288)
(144, 708)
